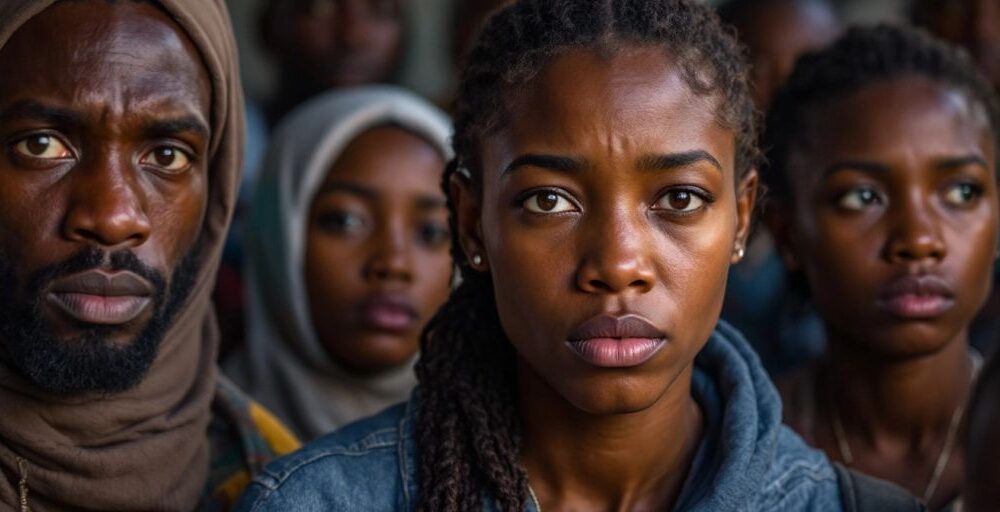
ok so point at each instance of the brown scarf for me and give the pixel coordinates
(145, 449)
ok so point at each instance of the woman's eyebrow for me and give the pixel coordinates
(552, 162)
(949, 163)
(349, 188)
(670, 161)
(856, 165)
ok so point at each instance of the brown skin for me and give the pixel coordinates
(616, 248)
(121, 95)
(378, 232)
(923, 154)
(973, 24)
(327, 44)
(777, 32)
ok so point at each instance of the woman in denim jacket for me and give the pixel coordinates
(603, 184)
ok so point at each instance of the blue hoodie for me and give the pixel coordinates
(747, 460)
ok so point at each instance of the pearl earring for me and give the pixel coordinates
(477, 260)
(740, 252)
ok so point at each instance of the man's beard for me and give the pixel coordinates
(90, 362)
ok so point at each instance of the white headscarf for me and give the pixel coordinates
(284, 365)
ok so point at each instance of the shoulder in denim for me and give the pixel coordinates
(363, 466)
(800, 479)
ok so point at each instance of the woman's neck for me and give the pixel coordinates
(912, 399)
(581, 461)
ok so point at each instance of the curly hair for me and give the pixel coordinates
(467, 430)
(862, 57)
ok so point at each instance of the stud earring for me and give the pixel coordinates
(740, 252)
(477, 260)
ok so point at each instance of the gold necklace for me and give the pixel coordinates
(844, 447)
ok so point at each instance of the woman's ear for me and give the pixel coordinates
(746, 198)
(468, 213)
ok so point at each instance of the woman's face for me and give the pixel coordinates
(377, 262)
(895, 215)
(608, 217)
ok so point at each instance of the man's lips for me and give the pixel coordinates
(388, 312)
(609, 341)
(915, 297)
(102, 298)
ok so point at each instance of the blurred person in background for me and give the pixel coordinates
(328, 44)
(758, 301)
(882, 165)
(347, 256)
(974, 25)
(318, 45)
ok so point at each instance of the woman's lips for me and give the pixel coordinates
(616, 342)
(101, 298)
(388, 312)
(917, 297)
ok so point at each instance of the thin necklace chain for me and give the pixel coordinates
(844, 447)
(534, 499)
(22, 484)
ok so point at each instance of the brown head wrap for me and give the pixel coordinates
(145, 449)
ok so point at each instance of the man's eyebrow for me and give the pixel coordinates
(856, 165)
(162, 128)
(552, 162)
(669, 161)
(958, 162)
(35, 110)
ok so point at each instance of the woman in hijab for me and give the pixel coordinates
(347, 256)
(130, 112)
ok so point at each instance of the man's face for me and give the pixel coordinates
(103, 182)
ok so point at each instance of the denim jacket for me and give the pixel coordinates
(747, 461)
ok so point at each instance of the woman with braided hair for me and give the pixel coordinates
(602, 186)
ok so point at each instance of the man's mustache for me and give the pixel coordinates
(93, 258)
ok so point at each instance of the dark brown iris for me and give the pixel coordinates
(679, 200)
(547, 201)
(38, 144)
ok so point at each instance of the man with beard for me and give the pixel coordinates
(121, 130)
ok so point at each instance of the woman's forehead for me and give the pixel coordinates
(615, 103)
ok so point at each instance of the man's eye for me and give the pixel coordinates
(681, 201)
(45, 147)
(548, 201)
(858, 199)
(962, 194)
(434, 234)
(168, 158)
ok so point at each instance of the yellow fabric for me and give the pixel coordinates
(281, 440)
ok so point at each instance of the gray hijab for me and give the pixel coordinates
(284, 365)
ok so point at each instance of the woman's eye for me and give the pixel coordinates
(168, 158)
(682, 201)
(45, 147)
(962, 194)
(548, 201)
(341, 222)
(434, 234)
(858, 199)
